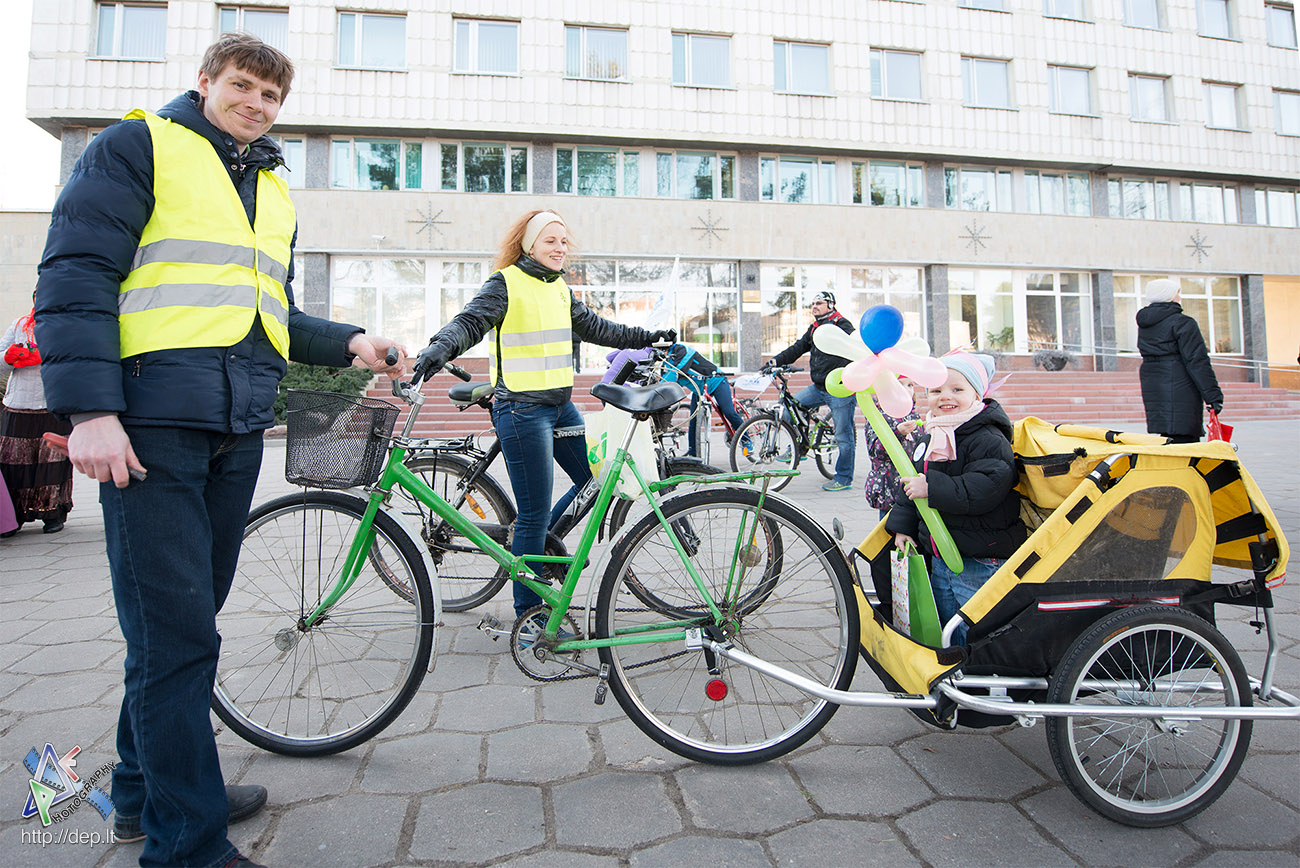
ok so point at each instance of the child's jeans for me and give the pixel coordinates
(952, 590)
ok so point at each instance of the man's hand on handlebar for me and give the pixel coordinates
(379, 354)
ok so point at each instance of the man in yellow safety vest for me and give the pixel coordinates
(165, 316)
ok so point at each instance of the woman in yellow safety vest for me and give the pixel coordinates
(531, 319)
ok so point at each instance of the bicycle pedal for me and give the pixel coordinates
(602, 683)
(491, 625)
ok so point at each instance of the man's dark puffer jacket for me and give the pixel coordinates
(94, 232)
(487, 309)
(974, 492)
(1176, 375)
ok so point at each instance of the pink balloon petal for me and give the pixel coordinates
(895, 400)
(858, 376)
(923, 370)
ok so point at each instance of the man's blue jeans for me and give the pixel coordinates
(173, 540)
(845, 436)
(721, 391)
(531, 449)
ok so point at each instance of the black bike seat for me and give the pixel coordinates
(468, 393)
(639, 399)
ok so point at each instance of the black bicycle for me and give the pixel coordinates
(780, 436)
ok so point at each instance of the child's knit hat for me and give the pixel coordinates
(977, 368)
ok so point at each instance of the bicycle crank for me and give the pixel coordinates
(535, 655)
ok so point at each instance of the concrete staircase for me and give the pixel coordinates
(1110, 398)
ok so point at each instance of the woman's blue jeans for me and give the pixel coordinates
(531, 449)
(173, 540)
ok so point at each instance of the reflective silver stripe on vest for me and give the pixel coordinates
(186, 250)
(541, 336)
(544, 363)
(187, 295)
(272, 305)
(272, 269)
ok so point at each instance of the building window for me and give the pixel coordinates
(991, 5)
(1139, 199)
(1214, 302)
(595, 52)
(986, 83)
(1069, 90)
(1064, 9)
(895, 74)
(131, 31)
(383, 296)
(1223, 105)
(294, 170)
(1214, 18)
(1143, 13)
(597, 171)
(801, 67)
(796, 179)
(1286, 108)
(375, 164)
(1207, 203)
(687, 175)
(372, 41)
(889, 183)
(1277, 207)
(1052, 193)
(701, 61)
(1149, 97)
(479, 167)
(971, 188)
(1279, 18)
(487, 47)
(269, 25)
(786, 291)
(701, 299)
(1020, 311)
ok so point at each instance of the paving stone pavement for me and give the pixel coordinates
(489, 767)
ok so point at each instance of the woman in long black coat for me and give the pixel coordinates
(1177, 379)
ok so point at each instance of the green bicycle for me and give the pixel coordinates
(330, 624)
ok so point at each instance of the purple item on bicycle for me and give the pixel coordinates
(619, 358)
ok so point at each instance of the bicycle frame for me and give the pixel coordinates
(396, 473)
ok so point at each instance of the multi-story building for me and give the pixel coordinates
(1008, 173)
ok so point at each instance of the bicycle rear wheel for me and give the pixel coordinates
(467, 576)
(673, 466)
(765, 443)
(793, 607)
(825, 447)
(310, 691)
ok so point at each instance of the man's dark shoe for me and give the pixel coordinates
(242, 861)
(245, 801)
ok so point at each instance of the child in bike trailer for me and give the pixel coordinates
(884, 485)
(969, 475)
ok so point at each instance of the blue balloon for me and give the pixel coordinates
(881, 327)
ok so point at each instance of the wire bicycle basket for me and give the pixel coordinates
(336, 441)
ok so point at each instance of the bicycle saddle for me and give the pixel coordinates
(639, 399)
(468, 393)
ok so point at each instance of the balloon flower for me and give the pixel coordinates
(877, 359)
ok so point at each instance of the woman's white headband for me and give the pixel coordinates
(539, 221)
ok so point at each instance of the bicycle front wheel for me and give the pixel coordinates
(309, 691)
(785, 594)
(765, 443)
(825, 447)
(467, 576)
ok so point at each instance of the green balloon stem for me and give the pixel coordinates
(898, 456)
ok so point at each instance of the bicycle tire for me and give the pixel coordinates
(763, 442)
(467, 576)
(1154, 771)
(825, 447)
(703, 425)
(673, 466)
(318, 691)
(806, 621)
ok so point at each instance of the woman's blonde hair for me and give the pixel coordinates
(512, 245)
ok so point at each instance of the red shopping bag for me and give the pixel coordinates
(1217, 430)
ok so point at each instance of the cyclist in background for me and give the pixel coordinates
(700, 376)
(821, 364)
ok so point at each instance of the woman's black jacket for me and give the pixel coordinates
(1176, 375)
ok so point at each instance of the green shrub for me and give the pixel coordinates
(339, 381)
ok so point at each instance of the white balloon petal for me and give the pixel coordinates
(915, 346)
(837, 342)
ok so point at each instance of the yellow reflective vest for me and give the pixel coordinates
(202, 274)
(532, 349)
